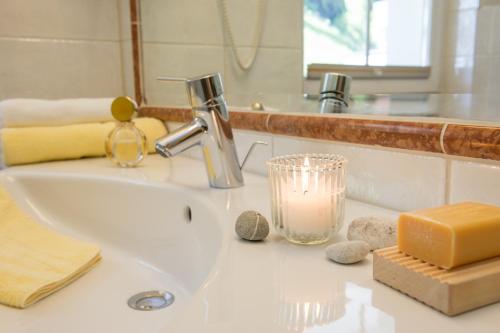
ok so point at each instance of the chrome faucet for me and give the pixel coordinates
(210, 129)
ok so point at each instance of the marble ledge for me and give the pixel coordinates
(436, 137)
(472, 141)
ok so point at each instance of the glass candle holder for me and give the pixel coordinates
(307, 196)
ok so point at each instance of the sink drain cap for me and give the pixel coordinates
(151, 300)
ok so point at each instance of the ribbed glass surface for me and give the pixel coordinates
(308, 194)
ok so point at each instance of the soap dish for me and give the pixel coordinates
(452, 291)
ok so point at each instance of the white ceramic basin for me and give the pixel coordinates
(149, 241)
(221, 284)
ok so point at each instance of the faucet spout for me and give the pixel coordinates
(182, 139)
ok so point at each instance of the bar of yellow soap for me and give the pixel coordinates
(451, 235)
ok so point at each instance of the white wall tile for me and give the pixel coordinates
(124, 19)
(391, 179)
(495, 35)
(458, 74)
(89, 19)
(471, 181)
(463, 4)
(472, 47)
(261, 154)
(127, 68)
(481, 81)
(461, 33)
(126, 47)
(494, 74)
(490, 2)
(181, 22)
(484, 31)
(44, 69)
(282, 25)
(275, 71)
(177, 60)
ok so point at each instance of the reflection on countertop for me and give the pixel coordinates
(455, 106)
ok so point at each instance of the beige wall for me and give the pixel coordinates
(471, 61)
(185, 38)
(127, 67)
(60, 48)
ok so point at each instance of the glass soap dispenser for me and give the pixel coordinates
(126, 145)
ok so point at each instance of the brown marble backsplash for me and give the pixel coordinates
(436, 137)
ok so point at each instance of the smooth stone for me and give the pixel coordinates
(378, 232)
(252, 226)
(348, 252)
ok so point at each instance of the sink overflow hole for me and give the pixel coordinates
(188, 214)
(151, 300)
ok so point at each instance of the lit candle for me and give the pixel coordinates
(308, 206)
(307, 196)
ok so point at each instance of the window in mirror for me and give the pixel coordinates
(359, 34)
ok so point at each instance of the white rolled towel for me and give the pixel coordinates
(27, 112)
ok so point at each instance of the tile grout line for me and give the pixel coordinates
(179, 43)
(67, 40)
(268, 118)
(447, 181)
(271, 135)
(441, 138)
(447, 168)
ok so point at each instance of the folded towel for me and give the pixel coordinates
(26, 112)
(41, 144)
(35, 261)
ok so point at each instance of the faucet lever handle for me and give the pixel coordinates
(200, 89)
(250, 150)
(171, 78)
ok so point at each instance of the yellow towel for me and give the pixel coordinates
(34, 261)
(39, 144)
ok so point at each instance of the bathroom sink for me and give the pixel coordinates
(161, 227)
(152, 237)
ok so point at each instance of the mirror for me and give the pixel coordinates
(424, 58)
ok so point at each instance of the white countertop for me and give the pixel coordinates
(272, 286)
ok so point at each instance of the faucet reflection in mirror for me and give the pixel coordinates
(334, 93)
(308, 194)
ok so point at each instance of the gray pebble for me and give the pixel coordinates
(252, 226)
(378, 232)
(348, 252)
